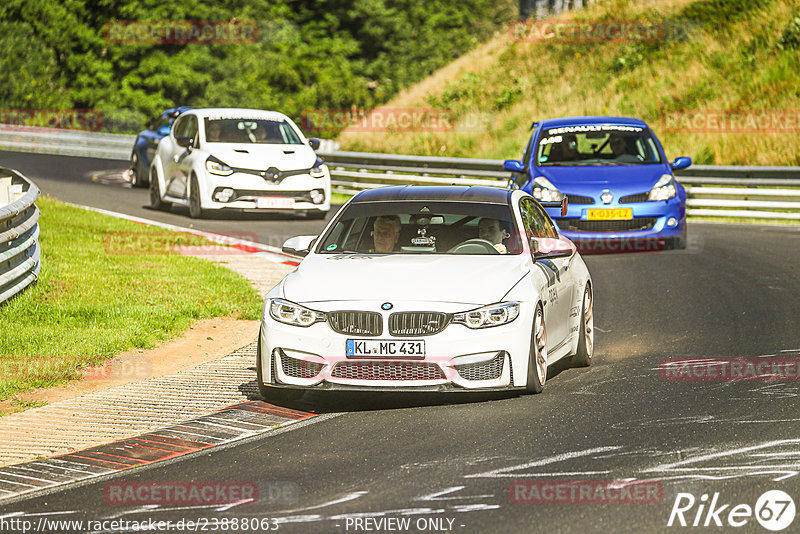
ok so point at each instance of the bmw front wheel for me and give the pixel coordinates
(537, 361)
(583, 358)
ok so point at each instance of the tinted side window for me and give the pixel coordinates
(529, 150)
(536, 221)
(191, 127)
(180, 126)
(547, 222)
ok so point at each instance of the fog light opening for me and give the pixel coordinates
(224, 195)
(672, 221)
(317, 196)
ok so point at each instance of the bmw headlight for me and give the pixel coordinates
(545, 191)
(664, 188)
(493, 315)
(215, 166)
(293, 314)
(318, 170)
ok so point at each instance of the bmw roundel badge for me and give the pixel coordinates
(386, 306)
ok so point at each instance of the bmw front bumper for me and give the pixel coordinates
(456, 358)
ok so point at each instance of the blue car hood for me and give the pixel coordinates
(619, 179)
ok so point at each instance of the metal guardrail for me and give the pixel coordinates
(78, 143)
(20, 252)
(713, 190)
(66, 142)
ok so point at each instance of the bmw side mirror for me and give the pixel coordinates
(314, 143)
(299, 245)
(513, 165)
(548, 248)
(185, 141)
(681, 163)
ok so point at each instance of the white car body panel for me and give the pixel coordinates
(174, 165)
(426, 282)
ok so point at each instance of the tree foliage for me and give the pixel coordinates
(309, 54)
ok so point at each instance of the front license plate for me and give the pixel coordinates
(275, 202)
(619, 214)
(385, 348)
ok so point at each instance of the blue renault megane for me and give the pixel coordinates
(615, 175)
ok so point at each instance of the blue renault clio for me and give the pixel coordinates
(617, 180)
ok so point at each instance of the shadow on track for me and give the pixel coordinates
(319, 401)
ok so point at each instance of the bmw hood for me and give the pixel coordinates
(621, 179)
(263, 156)
(473, 280)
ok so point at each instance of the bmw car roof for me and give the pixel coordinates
(474, 193)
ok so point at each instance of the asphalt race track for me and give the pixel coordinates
(447, 463)
(96, 182)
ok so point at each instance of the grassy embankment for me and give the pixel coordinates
(737, 56)
(106, 286)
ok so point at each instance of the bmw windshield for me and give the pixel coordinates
(596, 144)
(421, 227)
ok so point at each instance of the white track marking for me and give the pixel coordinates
(506, 472)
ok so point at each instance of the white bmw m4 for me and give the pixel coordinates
(418, 288)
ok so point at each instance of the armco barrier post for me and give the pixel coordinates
(20, 252)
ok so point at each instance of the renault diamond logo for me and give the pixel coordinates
(606, 197)
(386, 306)
(272, 174)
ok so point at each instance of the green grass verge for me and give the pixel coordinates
(106, 286)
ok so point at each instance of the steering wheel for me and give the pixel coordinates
(475, 245)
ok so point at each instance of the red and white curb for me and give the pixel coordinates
(225, 426)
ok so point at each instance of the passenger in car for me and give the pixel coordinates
(566, 150)
(385, 233)
(619, 148)
(213, 133)
(491, 230)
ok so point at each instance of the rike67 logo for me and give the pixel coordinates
(774, 510)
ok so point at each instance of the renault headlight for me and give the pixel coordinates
(293, 314)
(215, 166)
(664, 188)
(493, 315)
(545, 191)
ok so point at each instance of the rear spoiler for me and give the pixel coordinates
(562, 205)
